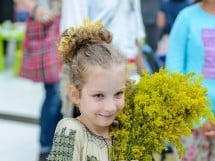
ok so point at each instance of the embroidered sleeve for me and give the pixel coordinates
(63, 146)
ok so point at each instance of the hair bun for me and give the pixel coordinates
(74, 39)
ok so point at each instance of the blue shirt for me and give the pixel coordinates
(192, 46)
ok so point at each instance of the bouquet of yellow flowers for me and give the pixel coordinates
(160, 108)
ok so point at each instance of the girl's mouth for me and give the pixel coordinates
(107, 115)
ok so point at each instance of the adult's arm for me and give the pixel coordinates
(140, 35)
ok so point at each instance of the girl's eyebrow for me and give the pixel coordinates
(123, 88)
(100, 91)
(95, 91)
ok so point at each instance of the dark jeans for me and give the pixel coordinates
(50, 114)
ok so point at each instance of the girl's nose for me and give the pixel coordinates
(110, 105)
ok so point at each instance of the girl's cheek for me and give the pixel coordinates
(121, 104)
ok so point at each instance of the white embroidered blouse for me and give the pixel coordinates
(74, 142)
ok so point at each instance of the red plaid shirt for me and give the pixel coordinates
(40, 61)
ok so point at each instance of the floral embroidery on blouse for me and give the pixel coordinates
(63, 146)
(92, 158)
(98, 140)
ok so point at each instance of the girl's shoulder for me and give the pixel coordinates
(68, 125)
(191, 9)
(68, 140)
(189, 13)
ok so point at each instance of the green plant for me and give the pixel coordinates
(160, 108)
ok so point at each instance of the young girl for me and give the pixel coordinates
(97, 83)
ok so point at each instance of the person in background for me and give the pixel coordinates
(41, 63)
(97, 78)
(191, 49)
(149, 12)
(168, 13)
(166, 16)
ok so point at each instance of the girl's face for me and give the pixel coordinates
(102, 96)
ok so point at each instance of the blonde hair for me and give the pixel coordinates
(86, 46)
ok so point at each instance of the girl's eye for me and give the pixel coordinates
(99, 95)
(119, 94)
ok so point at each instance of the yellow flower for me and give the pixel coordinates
(161, 108)
(92, 25)
(65, 45)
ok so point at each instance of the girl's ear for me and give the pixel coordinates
(74, 95)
